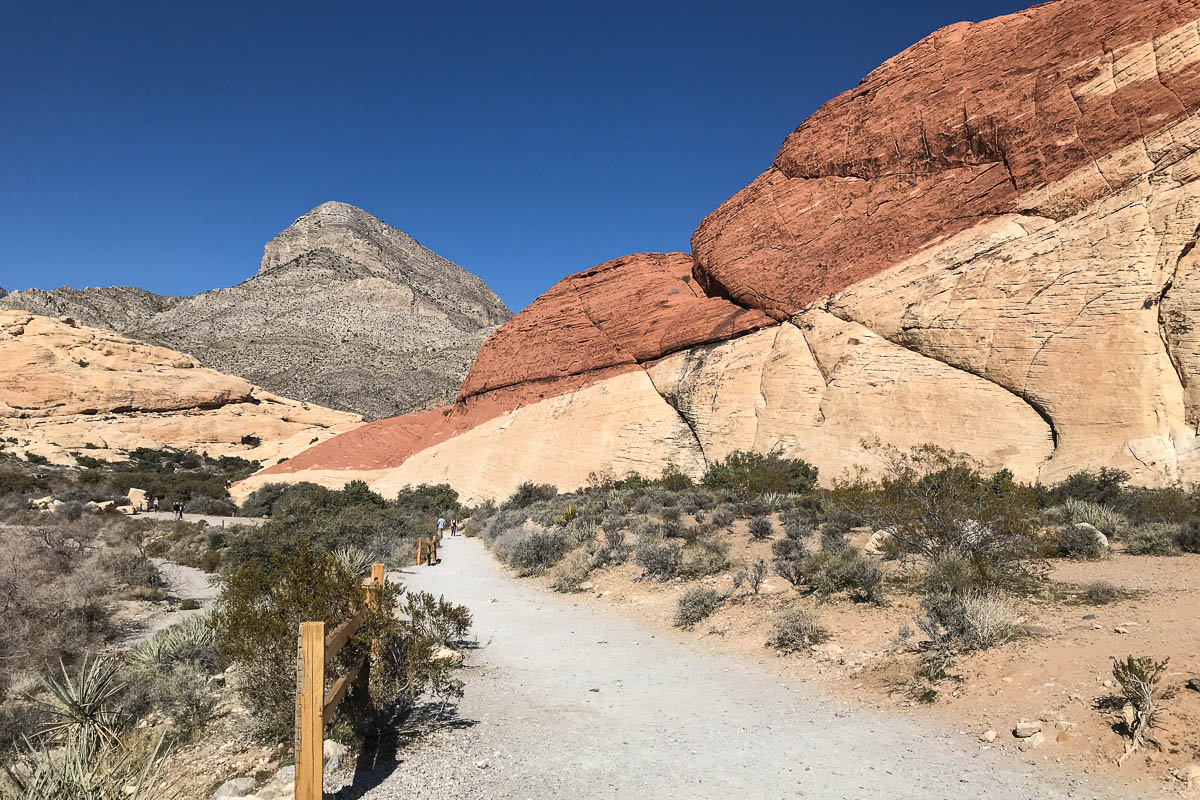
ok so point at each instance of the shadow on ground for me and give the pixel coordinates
(383, 751)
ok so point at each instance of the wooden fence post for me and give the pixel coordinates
(310, 712)
(420, 541)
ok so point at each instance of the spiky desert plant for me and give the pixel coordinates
(89, 770)
(356, 560)
(82, 709)
(1100, 516)
(1139, 679)
(191, 640)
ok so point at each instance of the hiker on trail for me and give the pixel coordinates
(156, 505)
(179, 510)
(454, 527)
(441, 526)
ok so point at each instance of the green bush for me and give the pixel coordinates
(704, 555)
(660, 559)
(969, 621)
(529, 493)
(1080, 541)
(571, 572)
(761, 528)
(1104, 488)
(537, 552)
(828, 572)
(1101, 593)
(722, 518)
(261, 607)
(789, 554)
(1188, 536)
(696, 605)
(1153, 539)
(937, 503)
(752, 474)
(1103, 518)
(796, 629)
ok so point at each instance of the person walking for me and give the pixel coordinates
(179, 510)
(454, 527)
(156, 504)
(441, 526)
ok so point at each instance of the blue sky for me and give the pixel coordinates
(162, 144)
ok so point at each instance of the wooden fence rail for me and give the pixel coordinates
(427, 551)
(316, 707)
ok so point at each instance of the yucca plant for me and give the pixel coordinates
(82, 708)
(355, 560)
(1139, 679)
(1098, 515)
(192, 640)
(569, 513)
(89, 770)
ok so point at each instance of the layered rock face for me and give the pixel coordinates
(987, 245)
(68, 389)
(345, 311)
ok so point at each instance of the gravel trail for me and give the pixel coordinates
(571, 701)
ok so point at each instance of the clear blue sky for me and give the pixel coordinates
(162, 144)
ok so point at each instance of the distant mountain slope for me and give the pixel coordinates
(345, 311)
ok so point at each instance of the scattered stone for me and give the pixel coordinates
(1027, 728)
(332, 749)
(1193, 684)
(482, 763)
(988, 736)
(1100, 538)
(235, 787)
(877, 544)
(1120, 629)
(1089, 617)
(1033, 742)
(444, 653)
(1066, 736)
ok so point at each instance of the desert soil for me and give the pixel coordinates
(568, 696)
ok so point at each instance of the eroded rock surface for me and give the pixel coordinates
(988, 245)
(69, 389)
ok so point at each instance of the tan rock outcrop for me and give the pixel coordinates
(67, 388)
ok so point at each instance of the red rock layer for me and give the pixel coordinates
(622, 312)
(955, 128)
(388, 443)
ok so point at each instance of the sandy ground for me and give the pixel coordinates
(596, 696)
(1056, 676)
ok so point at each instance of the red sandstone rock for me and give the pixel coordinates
(959, 127)
(622, 312)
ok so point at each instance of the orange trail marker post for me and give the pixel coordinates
(310, 712)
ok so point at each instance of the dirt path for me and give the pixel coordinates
(211, 519)
(567, 700)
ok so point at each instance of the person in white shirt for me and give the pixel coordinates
(441, 525)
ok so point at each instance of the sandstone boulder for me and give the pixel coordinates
(68, 390)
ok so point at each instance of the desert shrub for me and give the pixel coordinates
(833, 536)
(798, 523)
(613, 549)
(1188, 536)
(1080, 542)
(182, 694)
(658, 558)
(696, 605)
(671, 514)
(353, 559)
(969, 621)
(537, 552)
(673, 479)
(436, 619)
(752, 576)
(1153, 539)
(722, 518)
(262, 500)
(704, 555)
(1103, 518)
(571, 572)
(261, 607)
(430, 500)
(644, 504)
(214, 506)
(761, 528)
(529, 493)
(752, 474)
(1139, 679)
(937, 503)
(1140, 505)
(795, 629)
(130, 567)
(827, 572)
(1104, 488)
(1101, 593)
(789, 555)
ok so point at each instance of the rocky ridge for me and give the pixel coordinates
(988, 245)
(345, 311)
(67, 389)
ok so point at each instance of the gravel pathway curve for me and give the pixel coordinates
(571, 701)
